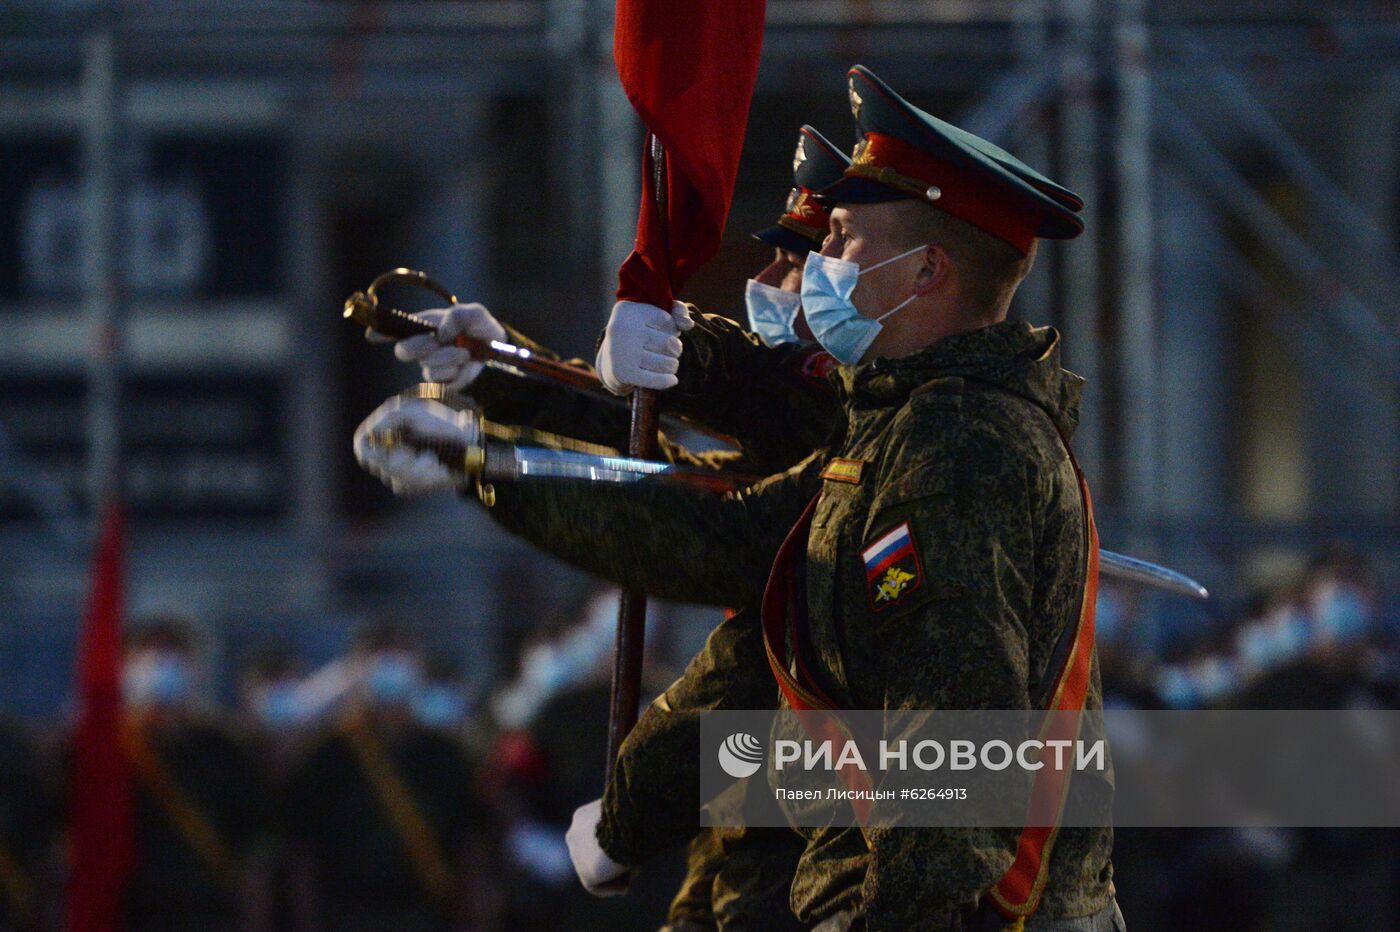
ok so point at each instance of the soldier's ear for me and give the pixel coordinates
(935, 270)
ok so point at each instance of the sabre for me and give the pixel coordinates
(365, 309)
(1131, 569)
(488, 454)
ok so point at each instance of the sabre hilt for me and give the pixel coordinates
(465, 458)
(366, 309)
(487, 451)
(363, 307)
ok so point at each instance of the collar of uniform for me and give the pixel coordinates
(1012, 355)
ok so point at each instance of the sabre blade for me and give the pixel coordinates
(1133, 569)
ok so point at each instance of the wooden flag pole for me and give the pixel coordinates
(632, 609)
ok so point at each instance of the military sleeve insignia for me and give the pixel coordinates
(844, 470)
(892, 568)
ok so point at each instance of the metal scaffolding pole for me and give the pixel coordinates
(1035, 299)
(573, 32)
(1079, 134)
(999, 113)
(1344, 307)
(102, 299)
(1138, 368)
(1348, 217)
(309, 433)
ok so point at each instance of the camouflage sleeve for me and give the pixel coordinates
(651, 803)
(670, 541)
(970, 518)
(774, 401)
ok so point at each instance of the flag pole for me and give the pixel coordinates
(632, 608)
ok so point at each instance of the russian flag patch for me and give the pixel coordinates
(892, 568)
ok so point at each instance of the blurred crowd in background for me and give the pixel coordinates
(379, 791)
(384, 790)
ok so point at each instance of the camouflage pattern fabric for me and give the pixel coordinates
(693, 906)
(954, 448)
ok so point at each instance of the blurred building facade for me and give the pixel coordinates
(188, 191)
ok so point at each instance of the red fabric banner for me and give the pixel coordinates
(689, 70)
(103, 815)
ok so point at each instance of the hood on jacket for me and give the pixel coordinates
(1012, 355)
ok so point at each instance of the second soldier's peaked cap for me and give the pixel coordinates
(816, 164)
(905, 153)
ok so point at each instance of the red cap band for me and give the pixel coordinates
(967, 195)
(805, 216)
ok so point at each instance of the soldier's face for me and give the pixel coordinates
(866, 235)
(785, 272)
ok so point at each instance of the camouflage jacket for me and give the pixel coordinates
(960, 442)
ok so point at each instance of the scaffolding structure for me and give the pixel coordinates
(1239, 161)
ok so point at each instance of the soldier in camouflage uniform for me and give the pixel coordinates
(736, 879)
(955, 422)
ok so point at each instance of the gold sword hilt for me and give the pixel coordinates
(467, 460)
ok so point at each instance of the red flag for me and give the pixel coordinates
(689, 70)
(103, 817)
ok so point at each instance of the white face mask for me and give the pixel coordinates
(157, 677)
(827, 284)
(772, 312)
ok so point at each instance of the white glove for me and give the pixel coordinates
(599, 874)
(641, 347)
(434, 352)
(406, 471)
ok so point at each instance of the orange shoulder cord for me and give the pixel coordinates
(424, 852)
(1017, 894)
(781, 614)
(198, 831)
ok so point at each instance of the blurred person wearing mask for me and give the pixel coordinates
(381, 808)
(201, 797)
(556, 711)
(1332, 665)
(271, 705)
(1275, 632)
(270, 694)
(1340, 595)
(1314, 635)
(442, 701)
